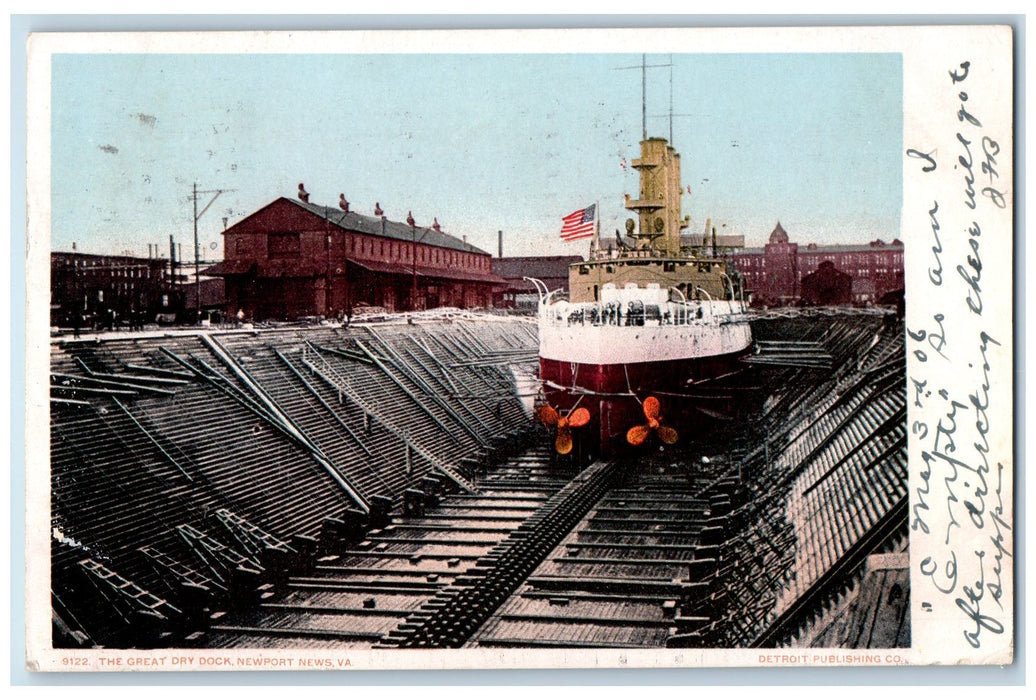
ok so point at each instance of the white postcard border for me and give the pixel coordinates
(931, 101)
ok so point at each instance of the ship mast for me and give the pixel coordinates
(643, 96)
(670, 98)
(658, 204)
(643, 91)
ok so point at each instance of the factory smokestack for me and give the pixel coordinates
(172, 259)
(499, 244)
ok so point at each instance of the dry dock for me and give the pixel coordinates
(384, 485)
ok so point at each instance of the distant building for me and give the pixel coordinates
(775, 274)
(829, 286)
(703, 243)
(292, 259)
(213, 298)
(552, 270)
(111, 290)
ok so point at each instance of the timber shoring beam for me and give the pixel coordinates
(791, 619)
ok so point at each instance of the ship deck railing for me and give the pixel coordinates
(619, 314)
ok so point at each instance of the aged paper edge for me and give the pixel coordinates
(928, 52)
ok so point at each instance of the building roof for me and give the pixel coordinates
(230, 267)
(62, 256)
(779, 235)
(539, 266)
(832, 249)
(453, 273)
(723, 240)
(213, 293)
(396, 230)
(317, 268)
(459, 274)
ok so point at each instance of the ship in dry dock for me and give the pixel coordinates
(643, 324)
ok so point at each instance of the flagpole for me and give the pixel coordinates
(597, 227)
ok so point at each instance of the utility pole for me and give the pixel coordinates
(413, 264)
(414, 240)
(197, 251)
(328, 297)
(197, 258)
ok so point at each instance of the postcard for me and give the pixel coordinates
(684, 347)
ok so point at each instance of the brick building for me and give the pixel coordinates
(774, 274)
(108, 290)
(519, 293)
(292, 259)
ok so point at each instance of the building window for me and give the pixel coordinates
(283, 245)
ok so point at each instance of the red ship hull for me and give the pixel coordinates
(613, 394)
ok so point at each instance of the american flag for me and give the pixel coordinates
(579, 224)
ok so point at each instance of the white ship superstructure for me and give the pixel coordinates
(644, 321)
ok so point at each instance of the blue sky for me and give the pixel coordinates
(482, 142)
